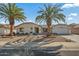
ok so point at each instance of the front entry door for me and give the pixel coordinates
(36, 30)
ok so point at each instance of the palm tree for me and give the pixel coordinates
(11, 13)
(50, 13)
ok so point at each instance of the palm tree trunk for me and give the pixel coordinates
(11, 25)
(11, 29)
(49, 26)
(48, 29)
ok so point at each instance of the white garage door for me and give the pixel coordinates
(61, 30)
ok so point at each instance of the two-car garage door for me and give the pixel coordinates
(61, 30)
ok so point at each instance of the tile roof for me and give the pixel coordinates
(27, 23)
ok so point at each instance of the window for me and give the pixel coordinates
(21, 29)
(31, 28)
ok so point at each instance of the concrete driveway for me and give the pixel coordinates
(72, 37)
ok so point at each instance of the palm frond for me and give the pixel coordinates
(51, 13)
(10, 9)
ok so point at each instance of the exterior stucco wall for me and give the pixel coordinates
(1, 31)
(7, 31)
(4, 31)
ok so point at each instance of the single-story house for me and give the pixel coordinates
(28, 27)
(4, 29)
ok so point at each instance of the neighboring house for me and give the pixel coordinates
(4, 29)
(74, 28)
(28, 27)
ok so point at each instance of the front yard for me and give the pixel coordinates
(69, 46)
(35, 38)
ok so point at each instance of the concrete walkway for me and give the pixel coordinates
(72, 37)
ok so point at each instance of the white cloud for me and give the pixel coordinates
(70, 5)
(69, 18)
(29, 20)
(73, 14)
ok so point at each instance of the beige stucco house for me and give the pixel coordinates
(28, 27)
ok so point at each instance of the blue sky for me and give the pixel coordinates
(30, 9)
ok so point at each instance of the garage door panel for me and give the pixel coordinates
(60, 30)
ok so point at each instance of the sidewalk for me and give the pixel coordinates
(68, 49)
